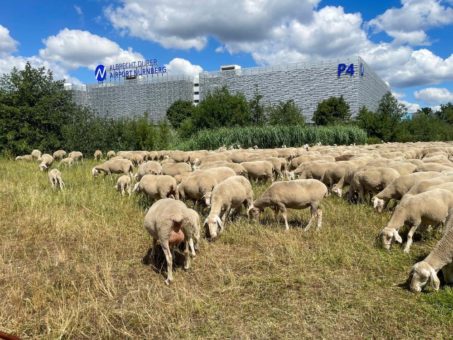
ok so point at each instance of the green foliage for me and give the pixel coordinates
(257, 110)
(275, 136)
(285, 113)
(446, 113)
(179, 111)
(333, 110)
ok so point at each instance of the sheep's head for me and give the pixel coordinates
(207, 198)
(213, 225)
(42, 167)
(95, 172)
(420, 275)
(336, 190)
(378, 204)
(253, 212)
(388, 235)
(290, 175)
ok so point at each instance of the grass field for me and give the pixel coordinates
(70, 267)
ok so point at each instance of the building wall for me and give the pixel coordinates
(371, 88)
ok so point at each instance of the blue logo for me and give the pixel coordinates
(362, 70)
(100, 73)
(345, 69)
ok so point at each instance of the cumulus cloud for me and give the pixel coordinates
(408, 23)
(183, 66)
(7, 43)
(434, 96)
(76, 48)
(180, 24)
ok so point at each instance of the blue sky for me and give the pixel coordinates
(407, 42)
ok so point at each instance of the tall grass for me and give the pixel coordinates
(275, 136)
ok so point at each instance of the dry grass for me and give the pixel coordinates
(70, 265)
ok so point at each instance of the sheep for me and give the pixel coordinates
(427, 208)
(259, 170)
(295, 194)
(150, 167)
(157, 186)
(313, 169)
(336, 172)
(46, 162)
(24, 158)
(433, 167)
(237, 168)
(370, 180)
(398, 188)
(427, 184)
(68, 161)
(199, 185)
(76, 155)
(228, 194)
(164, 221)
(55, 179)
(36, 154)
(280, 166)
(174, 169)
(123, 184)
(97, 155)
(59, 154)
(181, 177)
(111, 154)
(113, 166)
(440, 258)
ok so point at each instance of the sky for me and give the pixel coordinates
(407, 42)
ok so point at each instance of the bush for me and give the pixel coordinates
(179, 111)
(333, 110)
(285, 113)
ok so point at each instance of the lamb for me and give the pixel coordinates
(150, 167)
(59, 154)
(76, 155)
(228, 194)
(24, 158)
(440, 258)
(399, 187)
(157, 186)
(259, 170)
(46, 162)
(111, 154)
(68, 161)
(164, 221)
(97, 155)
(36, 154)
(114, 166)
(55, 179)
(123, 184)
(427, 208)
(295, 194)
(174, 169)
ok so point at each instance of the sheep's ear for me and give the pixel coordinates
(435, 283)
(397, 236)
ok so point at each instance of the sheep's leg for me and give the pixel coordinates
(166, 248)
(314, 214)
(284, 212)
(409, 237)
(186, 255)
(153, 251)
(226, 214)
(319, 219)
(122, 190)
(192, 247)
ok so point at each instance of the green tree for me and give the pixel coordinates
(285, 113)
(179, 111)
(446, 113)
(257, 109)
(333, 110)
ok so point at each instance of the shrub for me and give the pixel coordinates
(333, 110)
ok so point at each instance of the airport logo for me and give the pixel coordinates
(100, 73)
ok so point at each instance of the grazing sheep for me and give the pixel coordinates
(59, 154)
(259, 170)
(433, 167)
(123, 184)
(166, 219)
(55, 179)
(296, 194)
(114, 166)
(36, 154)
(427, 184)
(111, 154)
(237, 168)
(312, 169)
(174, 169)
(229, 194)
(333, 175)
(46, 162)
(150, 167)
(68, 161)
(440, 258)
(399, 187)
(181, 177)
(76, 155)
(97, 155)
(157, 186)
(24, 158)
(427, 208)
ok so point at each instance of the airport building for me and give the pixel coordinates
(131, 89)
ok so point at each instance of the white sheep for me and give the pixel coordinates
(259, 170)
(68, 161)
(174, 169)
(440, 258)
(46, 162)
(229, 194)
(24, 158)
(157, 186)
(296, 194)
(113, 166)
(111, 154)
(55, 179)
(97, 155)
(165, 221)
(36, 154)
(123, 184)
(76, 155)
(150, 167)
(59, 154)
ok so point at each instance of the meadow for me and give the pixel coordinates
(71, 267)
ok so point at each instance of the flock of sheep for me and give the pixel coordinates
(417, 177)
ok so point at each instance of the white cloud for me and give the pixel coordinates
(408, 23)
(7, 43)
(434, 95)
(183, 66)
(411, 107)
(181, 24)
(76, 48)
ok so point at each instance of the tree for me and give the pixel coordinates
(179, 111)
(285, 113)
(257, 109)
(446, 113)
(333, 110)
